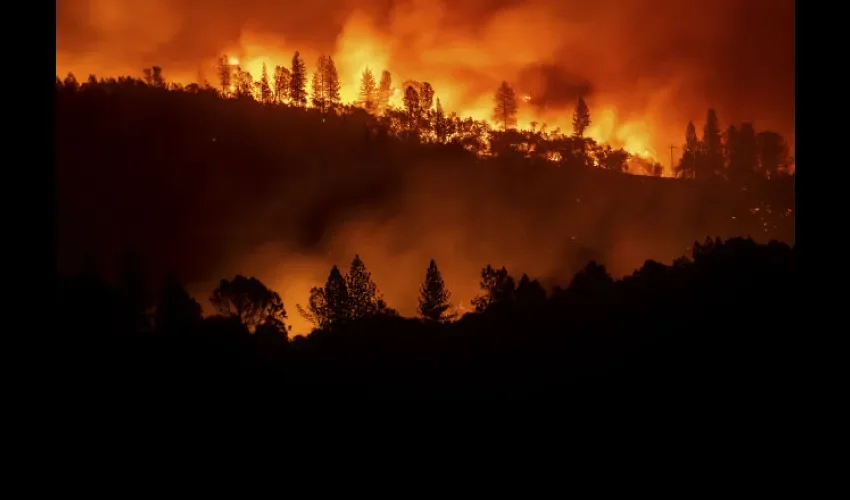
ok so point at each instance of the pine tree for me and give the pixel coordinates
(264, 87)
(712, 143)
(385, 90)
(225, 73)
(298, 82)
(362, 291)
(691, 154)
(319, 86)
(434, 298)
(367, 91)
(329, 306)
(281, 84)
(332, 84)
(505, 108)
(581, 118)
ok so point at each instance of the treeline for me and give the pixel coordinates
(422, 119)
(727, 303)
(130, 307)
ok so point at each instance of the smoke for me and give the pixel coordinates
(645, 67)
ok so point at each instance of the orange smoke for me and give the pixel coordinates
(649, 64)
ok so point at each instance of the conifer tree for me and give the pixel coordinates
(329, 306)
(298, 82)
(581, 118)
(368, 91)
(691, 154)
(332, 84)
(505, 108)
(712, 143)
(225, 73)
(362, 291)
(281, 84)
(434, 298)
(319, 87)
(264, 87)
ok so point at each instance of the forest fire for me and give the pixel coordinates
(640, 99)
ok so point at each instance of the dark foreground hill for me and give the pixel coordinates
(720, 324)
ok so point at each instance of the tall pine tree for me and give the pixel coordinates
(368, 91)
(691, 154)
(264, 88)
(319, 87)
(281, 84)
(505, 106)
(364, 298)
(712, 142)
(329, 306)
(581, 118)
(298, 81)
(434, 298)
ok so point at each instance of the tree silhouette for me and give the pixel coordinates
(434, 298)
(71, 83)
(505, 108)
(530, 292)
(368, 91)
(225, 74)
(298, 81)
(153, 77)
(691, 154)
(712, 143)
(176, 311)
(498, 287)
(332, 84)
(248, 300)
(318, 96)
(263, 86)
(593, 277)
(363, 295)
(281, 84)
(329, 306)
(385, 90)
(581, 118)
(411, 105)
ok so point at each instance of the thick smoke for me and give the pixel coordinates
(646, 67)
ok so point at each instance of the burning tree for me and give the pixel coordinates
(505, 108)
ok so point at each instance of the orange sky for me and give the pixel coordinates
(645, 66)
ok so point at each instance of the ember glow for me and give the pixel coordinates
(645, 67)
